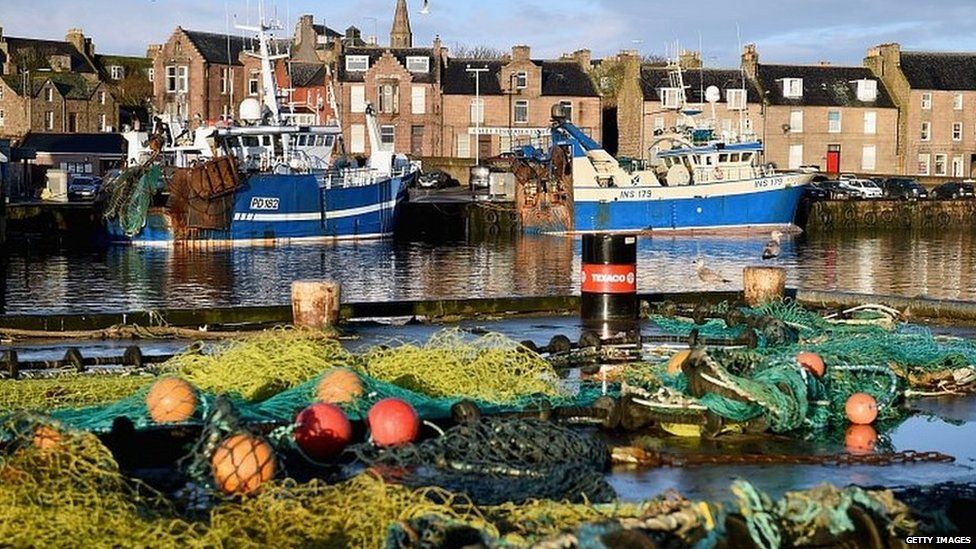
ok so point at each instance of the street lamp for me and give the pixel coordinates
(481, 110)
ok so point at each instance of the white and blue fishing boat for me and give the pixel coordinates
(699, 181)
(266, 181)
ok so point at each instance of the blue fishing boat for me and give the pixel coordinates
(264, 181)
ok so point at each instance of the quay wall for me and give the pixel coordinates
(843, 215)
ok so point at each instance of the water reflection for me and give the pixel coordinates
(123, 278)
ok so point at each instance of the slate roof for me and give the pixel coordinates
(92, 143)
(47, 48)
(558, 78)
(823, 85)
(401, 55)
(70, 85)
(696, 82)
(939, 70)
(220, 48)
(304, 75)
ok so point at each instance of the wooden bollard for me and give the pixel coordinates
(315, 303)
(763, 284)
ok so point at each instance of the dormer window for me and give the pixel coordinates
(793, 88)
(521, 80)
(418, 64)
(669, 98)
(867, 90)
(736, 99)
(118, 72)
(357, 63)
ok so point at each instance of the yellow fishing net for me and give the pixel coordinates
(66, 391)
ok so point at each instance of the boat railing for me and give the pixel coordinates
(357, 177)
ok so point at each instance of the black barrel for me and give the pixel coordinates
(608, 286)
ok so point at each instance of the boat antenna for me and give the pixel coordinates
(742, 74)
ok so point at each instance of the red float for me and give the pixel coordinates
(811, 362)
(392, 422)
(861, 409)
(860, 439)
(322, 430)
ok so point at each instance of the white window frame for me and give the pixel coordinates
(118, 72)
(357, 98)
(49, 120)
(177, 80)
(795, 159)
(102, 122)
(49, 94)
(670, 98)
(388, 137)
(524, 106)
(357, 138)
(418, 63)
(926, 131)
(477, 111)
(462, 146)
(3, 118)
(101, 98)
(796, 121)
(957, 131)
(735, 99)
(957, 166)
(793, 88)
(957, 102)
(926, 101)
(944, 164)
(388, 97)
(151, 74)
(225, 80)
(658, 123)
(567, 108)
(253, 85)
(870, 122)
(831, 127)
(869, 158)
(418, 100)
(521, 80)
(867, 90)
(924, 163)
(357, 63)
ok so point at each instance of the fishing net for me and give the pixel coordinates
(66, 391)
(130, 196)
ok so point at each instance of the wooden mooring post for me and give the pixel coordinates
(763, 284)
(315, 303)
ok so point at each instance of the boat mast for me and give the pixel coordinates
(269, 86)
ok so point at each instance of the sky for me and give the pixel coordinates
(785, 31)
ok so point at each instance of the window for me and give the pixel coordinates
(868, 157)
(151, 73)
(102, 123)
(867, 90)
(357, 63)
(926, 100)
(118, 72)
(389, 98)
(870, 123)
(926, 131)
(923, 164)
(49, 94)
(463, 146)
(418, 100)
(658, 123)
(3, 118)
(418, 64)
(387, 137)
(833, 122)
(796, 156)
(736, 99)
(669, 98)
(796, 121)
(101, 98)
(477, 111)
(957, 166)
(49, 120)
(957, 102)
(357, 134)
(957, 131)
(1, 91)
(521, 80)
(176, 79)
(793, 87)
(567, 108)
(521, 111)
(224, 81)
(940, 164)
(252, 85)
(357, 98)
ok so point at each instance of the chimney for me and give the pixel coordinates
(750, 60)
(76, 37)
(585, 59)
(883, 56)
(689, 60)
(521, 53)
(304, 31)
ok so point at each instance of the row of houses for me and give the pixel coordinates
(900, 112)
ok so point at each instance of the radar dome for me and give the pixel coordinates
(250, 110)
(712, 94)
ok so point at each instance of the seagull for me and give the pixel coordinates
(772, 247)
(708, 275)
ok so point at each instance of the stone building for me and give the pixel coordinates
(841, 119)
(936, 96)
(53, 86)
(515, 102)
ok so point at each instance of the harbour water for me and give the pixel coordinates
(938, 264)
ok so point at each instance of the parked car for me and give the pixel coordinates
(954, 190)
(835, 190)
(904, 187)
(862, 188)
(815, 192)
(847, 177)
(84, 188)
(809, 168)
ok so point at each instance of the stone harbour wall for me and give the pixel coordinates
(840, 215)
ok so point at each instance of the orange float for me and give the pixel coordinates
(861, 409)
(392, 422)
(322, 430)
(339, 386)
(46, 437)
(171, 400)
(242, 463)
(811, 362)
(860, 439)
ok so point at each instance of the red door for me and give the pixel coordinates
(833, 159)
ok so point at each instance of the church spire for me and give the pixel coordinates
(400, 35)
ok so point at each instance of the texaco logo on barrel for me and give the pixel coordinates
(630, 278)
(583, 276)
